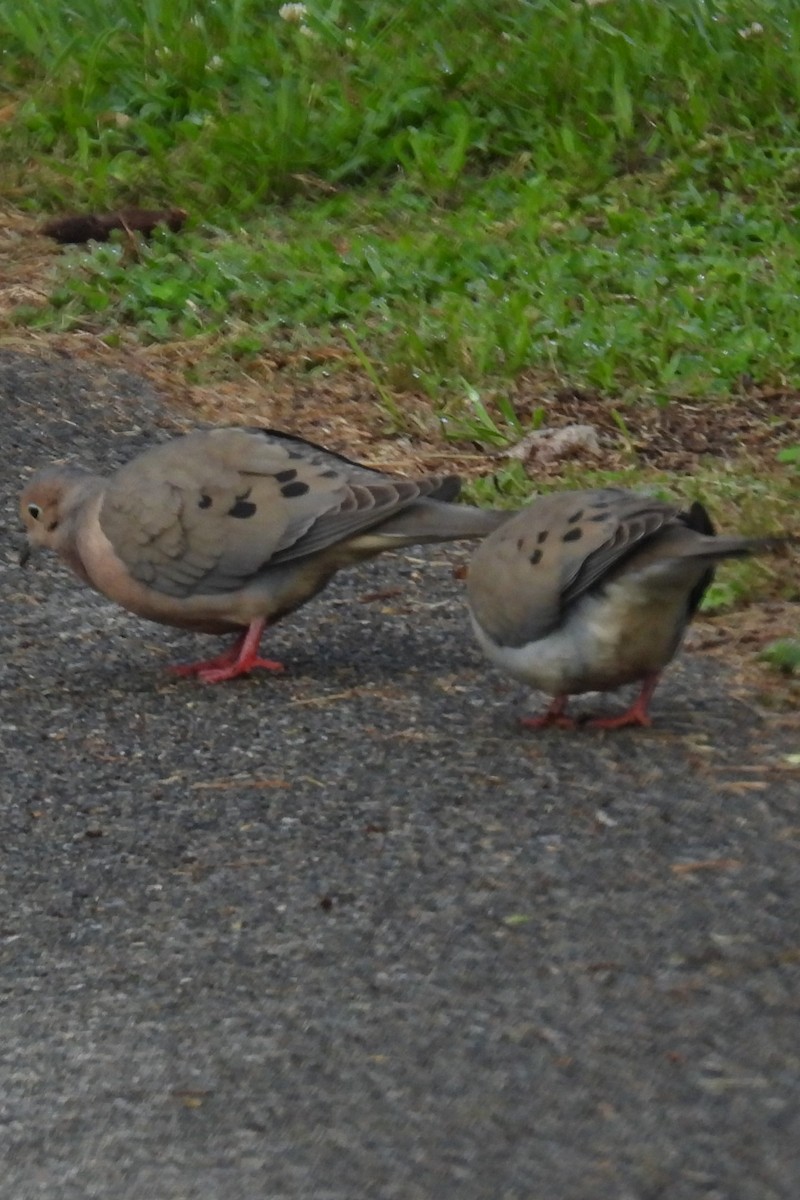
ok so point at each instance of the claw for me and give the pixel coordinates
(553, 717)
(239, 659)
(637, 714)
(631, 717)
(242, 666)
(221, 660)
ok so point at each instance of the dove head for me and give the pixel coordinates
(48, 501)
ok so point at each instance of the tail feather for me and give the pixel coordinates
(431, 520)
(448, 489)
(712, 546)
(738, 547)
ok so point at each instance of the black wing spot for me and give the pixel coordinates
(242, 508)
(520, 543)
(575, 517)
(573, 535)
(541, 538)
(599, 517)
(294, 489)
(286, 476)
(329, 474)
(535, 558)
(204, 501)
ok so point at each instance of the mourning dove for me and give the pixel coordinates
(230, 529)
(587, 591)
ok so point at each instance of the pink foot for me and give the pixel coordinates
(242, 666)
(632, 717)
(554, 717)
(241, 658)
(222, 660)
(637, 714)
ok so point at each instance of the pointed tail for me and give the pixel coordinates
(430, 520)
(739, 547)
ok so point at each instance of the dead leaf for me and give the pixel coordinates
(85, 227)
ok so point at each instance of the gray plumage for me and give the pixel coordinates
(224, 529)
(587, 591)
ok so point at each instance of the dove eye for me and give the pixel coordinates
(35, 511)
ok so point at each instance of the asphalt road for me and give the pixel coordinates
(349, 934)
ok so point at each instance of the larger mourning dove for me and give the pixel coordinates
(587, 591)
(229, 530)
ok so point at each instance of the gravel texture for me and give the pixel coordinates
(350, 933)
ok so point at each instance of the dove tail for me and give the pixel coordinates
(432, 520)
(741, 547)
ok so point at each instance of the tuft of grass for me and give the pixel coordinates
(790, 455)
(783, 655)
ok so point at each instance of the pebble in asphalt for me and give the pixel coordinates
(350, 933)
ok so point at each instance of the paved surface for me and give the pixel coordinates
(348, 933)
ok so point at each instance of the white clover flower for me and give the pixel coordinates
(307, 31)
(294, 13)
(754, 30)
(214, 63)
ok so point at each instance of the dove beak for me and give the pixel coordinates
(25, 553)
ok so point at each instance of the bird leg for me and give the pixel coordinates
(239, 659)
(554, 715)
(637, 714)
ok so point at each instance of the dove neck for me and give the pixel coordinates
(81, 489)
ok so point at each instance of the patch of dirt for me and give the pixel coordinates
(737, 638)
(676, 437)
(27, 264)
(338, 405)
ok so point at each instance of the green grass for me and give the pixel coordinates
(237, 101)
(679, 291)
(784, 655)
(604, 193)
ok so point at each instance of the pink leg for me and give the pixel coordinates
(239, 659)
(555, 715)
(637, 714)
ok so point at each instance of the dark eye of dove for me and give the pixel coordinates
(35, 511)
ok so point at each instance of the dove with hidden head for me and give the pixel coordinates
(588, 591)
(228, 530)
